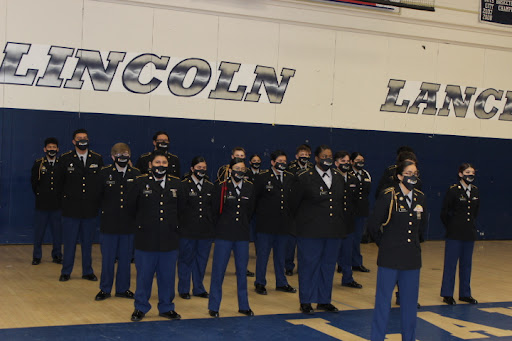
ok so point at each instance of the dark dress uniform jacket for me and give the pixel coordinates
(318, 210)
(195, 210)
(396, 228)
(272, 202)
(362, 202)
(295, 169)
(156, 213)
(233, 222)
(459, 213)
(117, 216)
(46, 184)
(350, 192)
(81, 185)
(173, 168)
(252, 176)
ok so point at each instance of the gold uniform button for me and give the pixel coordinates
(121, 186)
(161, 211)
(83, 191)
(161, 219)
(344, 197)
(122, 199)
(237, 206)
(200, 197)
(360, 198)
(469, 219)
(161, 202)
(200, 216)
(237, 219)
(237, 212)
(162, 195)
(238, 199)
(469, 213)
(121, 206)
(345, 209)
(121, 193)
(282, 207)
(409, 231)
(410, 223)
(200, 209)
(469, 207)
(51, 183)
(51, 189)
(330, 214)
(200, 203)
(330, 199)
(469, 201)
(282, 196)
(408, 240)
(330, 207)
(83, 178)
(83, 185)
(330, 192)
(410, 214)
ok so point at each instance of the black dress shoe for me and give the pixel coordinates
(185, 296)
(64, 278)
(203, 295)
(248, 312)
(57, 260)
(288, 272)
(307, 309)
(352, 284)
(449, 300)
(250, 273)
(260, 289)
(287, 288)
(102, 296)
(468, 299)
(90, 277)
(137, 315)
(338, 269)
(36, 261)
(171, 315)
(361, 268)
(126, 294)
(213, 313)
(327, 307)
(419, 305)
(397, 298)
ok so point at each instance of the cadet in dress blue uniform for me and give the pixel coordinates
(396, 224)
(351, 184)
(48, 191)
(161, 142)
(233, 205)
(361, 209)
(155, 197)
(195, 214)
(388, 177)
(299, 165)
(255, 168)
(273, 221)
(79, 173)
(460, 209)
(117, 225)
(317, 202)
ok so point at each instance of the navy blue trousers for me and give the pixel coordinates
(72, 228)
(277, 243)
(164, 265)
(360, 224)
(114, 246)
(41, 221)
(221, 255)
(462, 252)
(317, 263)
(345, 258)
(408, 280)
(289, 260)
(192, 261)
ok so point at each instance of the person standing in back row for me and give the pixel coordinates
(161, 142)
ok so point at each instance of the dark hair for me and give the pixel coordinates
(302, 147)
(160, 133)
(465, 166)
(340, 154)
(254, 155)
(196, 160)
(406, 156)
(404, 149)
(79, 131)
(236, 160)
(321, 148)
(51, 140)
(277, 153)
(403, 165)
(354, 155)
(237, 149)
(156, 153)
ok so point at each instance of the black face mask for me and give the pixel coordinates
(344, 167)
(303, 160)
(51, 153)
(237, 175)
(468, 178)
(280, 166)
(122, 161)
(162, 146)
(199, 173)
(359, 165)
(82, 144)
(410, 181)
(159, 171)
(256, 165)
(325, 164)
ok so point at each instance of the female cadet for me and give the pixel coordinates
(460, 209)
(255, 169)
(401, 214)
(233, 206)
(196, 229)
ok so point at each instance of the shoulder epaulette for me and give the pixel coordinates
(93, 152)
(264, 171)
(388, 190)
(249, 181)
(474, 186)
(105, 167)
(40, 159)
(417, 190)
(67, 153)
(288, 172)
(209, 182)
(171, 154)
(185, 180)
(146, 154)
(172, 176)
(135, 168)
(391, 167)
(454, 185)
(336, 170)
(142, 175)
(304, 172)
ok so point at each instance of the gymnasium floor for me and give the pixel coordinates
(35, 305)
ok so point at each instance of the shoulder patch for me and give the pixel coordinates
(336, 171)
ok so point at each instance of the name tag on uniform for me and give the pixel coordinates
(94, 165)
(174, 192)
(111, 182)
(129, 180)
(462, 198)
(324, 192)
(353, 185)
(402, 209)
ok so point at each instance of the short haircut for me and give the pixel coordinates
(79, 131)
(404, 149)
(120, 148)
(52, 140)
(236, 160)
(240, 149)
(160, 133)
(465, 166)
(354, 155)
(156, 153)
(403, 165)
(303, 147)
(277, 153)
(406, 156)
(341, 154)
(196, 160)
(321, 148)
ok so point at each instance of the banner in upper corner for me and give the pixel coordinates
(365, 4)
(496, 11)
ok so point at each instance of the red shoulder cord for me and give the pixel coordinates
(223, 191)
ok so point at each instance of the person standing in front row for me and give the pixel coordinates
(48, 193)
(79, 174)
(117, 224)
(155, 198)
(460, 210)
(233, 203)
(317, 203)
(273, 221)
(396, 224)
(196, 216)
